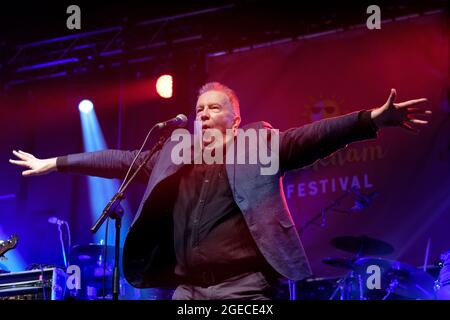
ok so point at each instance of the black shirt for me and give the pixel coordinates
(209, 229)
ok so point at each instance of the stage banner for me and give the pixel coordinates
(395, 188)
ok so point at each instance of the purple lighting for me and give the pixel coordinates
(47, 64)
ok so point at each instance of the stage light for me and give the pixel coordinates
(85, 106)
(100, 190)
(164, 86)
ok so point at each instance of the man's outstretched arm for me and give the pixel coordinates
(106, 164)
(302, 146)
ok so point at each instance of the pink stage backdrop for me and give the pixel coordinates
(295, 83)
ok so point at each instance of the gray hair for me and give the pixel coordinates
(217, 86)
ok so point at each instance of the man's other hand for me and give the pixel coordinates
(403, 114)
(35, 166)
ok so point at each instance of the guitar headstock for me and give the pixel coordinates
(9, 244)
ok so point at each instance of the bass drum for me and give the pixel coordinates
(443, 283)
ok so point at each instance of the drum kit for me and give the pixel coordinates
(370, 277)
(442, 284)
(367, 276)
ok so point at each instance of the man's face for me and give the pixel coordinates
(214, 110)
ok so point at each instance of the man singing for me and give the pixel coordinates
(223, 230)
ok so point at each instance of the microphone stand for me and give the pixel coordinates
(323, 212)
(114, 211)
(333, 206)
(63, 246)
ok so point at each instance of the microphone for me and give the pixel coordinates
(55, 220)
(179, 121)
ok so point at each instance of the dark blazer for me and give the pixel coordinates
(149, 259)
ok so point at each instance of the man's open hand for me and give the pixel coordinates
(35, 166)
(403, 114)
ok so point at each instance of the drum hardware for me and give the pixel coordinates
(361, 201)
(398, 280)
(347, 282)
(442, 284)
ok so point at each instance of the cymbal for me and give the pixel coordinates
(362, 245)
(339, 262)
(404, 280)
